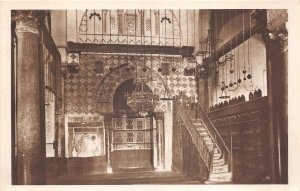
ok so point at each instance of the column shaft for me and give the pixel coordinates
(277, 132)
(30, 102)
(160, 141)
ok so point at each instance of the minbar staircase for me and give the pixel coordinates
(219, 163)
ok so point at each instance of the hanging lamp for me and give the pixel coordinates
(165, 19)
(141, 100)
(233, 85)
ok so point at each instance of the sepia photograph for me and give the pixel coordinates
(148, 96)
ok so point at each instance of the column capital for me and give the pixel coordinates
(159, 116)
(63, 71)
(28, 21)
(107, 116)
(156, 12)
(281, 37)
(120, 11)
(276, 27)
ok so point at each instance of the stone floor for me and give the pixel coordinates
(121, 178)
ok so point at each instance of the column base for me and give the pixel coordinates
(159, 169)
(109, 169)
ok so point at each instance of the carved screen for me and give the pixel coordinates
(131, 133)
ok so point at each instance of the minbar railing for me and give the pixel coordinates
(203, 150)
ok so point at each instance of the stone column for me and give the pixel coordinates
(159, 117)
(203, 95)
(105, 27)
(108, 139)
(276, 49)
(120, 21)
(154, 143)
(61, 112)
(157, 23)
(13, 103)
(202, 83)
(30, 99)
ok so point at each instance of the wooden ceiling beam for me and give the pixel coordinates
(185, 51)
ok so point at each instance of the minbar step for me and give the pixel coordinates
(223, 176)
(220, 169)
(218, 162)
(218, 182)
(217, 155)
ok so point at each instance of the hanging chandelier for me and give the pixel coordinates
(142, 100)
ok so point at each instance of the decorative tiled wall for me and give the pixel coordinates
(86, 91)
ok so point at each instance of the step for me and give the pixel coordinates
(203, 133)
(218, 182)
(216, 150)
(208, 142)
(218, 162)
(199, 125)
(217, 155)
(209, 146)
(220, 169)
(224, 176)
(197, 121)
(201, 129)
(206, 138)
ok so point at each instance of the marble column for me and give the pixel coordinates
(30, 102)
(159, 117)
(276, 49)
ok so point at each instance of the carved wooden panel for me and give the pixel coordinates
(186, 157)
(246, 123)
(131, 133)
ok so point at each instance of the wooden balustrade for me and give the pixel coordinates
(243, 126)
(204, 152)
(236, 100)
(213, 132)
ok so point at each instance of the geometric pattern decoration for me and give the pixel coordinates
(89, 92)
